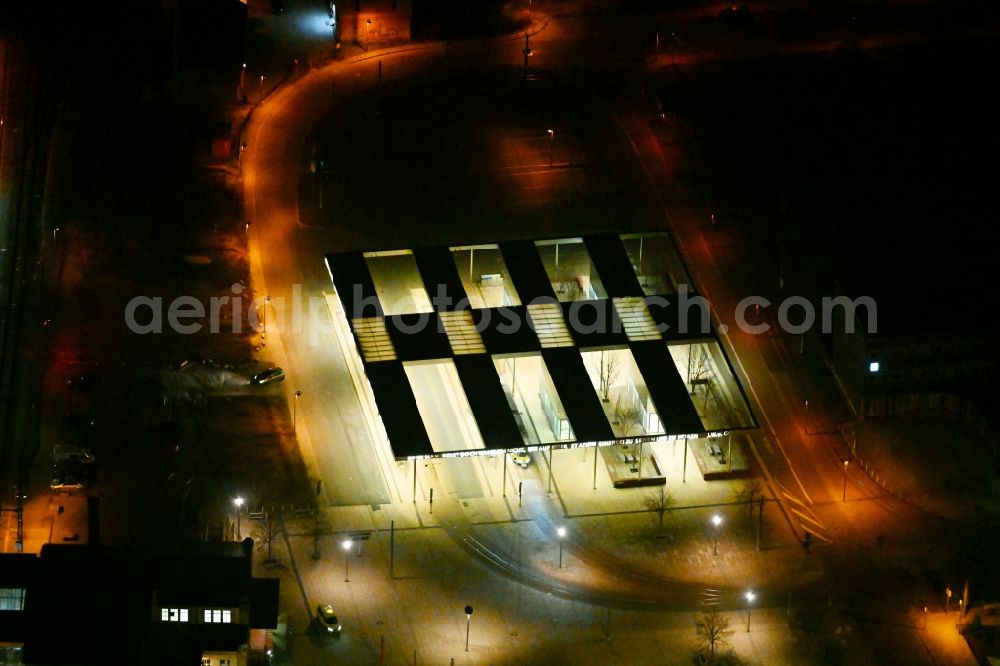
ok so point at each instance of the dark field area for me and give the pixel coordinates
(870, 167)
(466, 156)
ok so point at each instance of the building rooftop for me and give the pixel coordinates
(480, 349)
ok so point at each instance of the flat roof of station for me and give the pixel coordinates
(592, 325)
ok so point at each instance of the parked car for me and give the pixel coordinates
(67, 479)
(328, 619)
(71, 453)
(522, 458)
(268, 376)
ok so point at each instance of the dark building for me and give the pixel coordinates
(198, 605)
(370, 23)
(921, 351)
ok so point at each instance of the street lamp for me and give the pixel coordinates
(368, 28)
(561, 533)
(552, 136)
(295, 412)
(750, 596)
(468, 623)
(346, 545)
(527, 52)
(846, 462)
(238, 502)
(717, 523)
(263, 317)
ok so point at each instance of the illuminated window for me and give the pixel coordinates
(873, 366)
(173, 614)
(205, 661)
(218, 616)
(11, 599)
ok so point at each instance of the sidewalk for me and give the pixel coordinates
(539, 612)
(511, 623)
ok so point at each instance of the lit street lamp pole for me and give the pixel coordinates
(468, 623)
(846, 463)
(263, 318)
(346, 545)
(527, 52)
(561, 533)
(552, 136)
(717, 522)
(750, 596)
(295, 412)
(238, 503)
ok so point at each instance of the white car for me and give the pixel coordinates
(328, 619)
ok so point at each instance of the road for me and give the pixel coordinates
(803, 466)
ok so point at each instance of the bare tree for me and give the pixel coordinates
(267, 532)
(712, 628)
(660, 502)
(628, 417)
(607, 370)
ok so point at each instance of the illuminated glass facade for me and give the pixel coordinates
(481, 349)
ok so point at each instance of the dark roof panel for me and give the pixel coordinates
(354, 284)
(526, 270)
(583, 407)
(681, 317)
(398, 408)
(506, 330)
(418, 337)
(488, 400)
(594, 323)
(440, 276)
(667, 389)
(613, 265)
